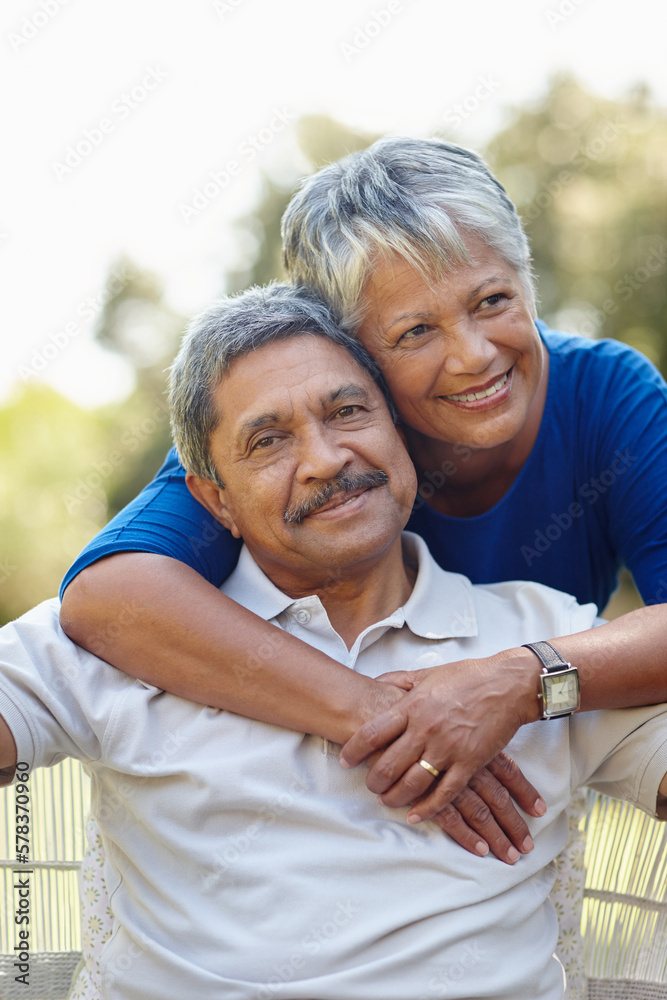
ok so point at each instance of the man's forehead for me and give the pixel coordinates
(306, 370)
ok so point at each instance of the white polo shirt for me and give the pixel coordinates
(243, 862)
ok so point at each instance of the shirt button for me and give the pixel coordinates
(303, 617)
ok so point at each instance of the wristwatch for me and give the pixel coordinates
(559, 682)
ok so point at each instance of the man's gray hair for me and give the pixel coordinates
(232, 327)
(418, 198)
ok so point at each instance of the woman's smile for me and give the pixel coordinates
(485, 396)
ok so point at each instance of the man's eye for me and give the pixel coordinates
(348, 411)
(264, 442)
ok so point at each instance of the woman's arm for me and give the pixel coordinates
(159, 620)
(460, 715)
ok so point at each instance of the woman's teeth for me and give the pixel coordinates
(468, 397)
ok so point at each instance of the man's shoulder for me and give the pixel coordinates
(534, 605)
(515, 611)
(35, 646)
(41, 621)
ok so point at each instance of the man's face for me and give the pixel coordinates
(317, 480)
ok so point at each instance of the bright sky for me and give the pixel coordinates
(116, 111)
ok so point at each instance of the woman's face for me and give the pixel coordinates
(462, 355)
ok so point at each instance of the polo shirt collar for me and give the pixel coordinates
(441, 605)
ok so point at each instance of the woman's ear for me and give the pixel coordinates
(212, 496)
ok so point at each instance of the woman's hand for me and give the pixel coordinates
(458, 717)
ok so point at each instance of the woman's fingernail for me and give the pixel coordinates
(513, 855)
(540, 807)
(482, 848)
(527, 845)
(414, 818)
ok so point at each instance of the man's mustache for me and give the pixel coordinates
(346, 482)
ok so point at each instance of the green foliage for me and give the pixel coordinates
(66, 471)
(46, 445)
(588, 176)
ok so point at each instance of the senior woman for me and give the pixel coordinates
(540, 456)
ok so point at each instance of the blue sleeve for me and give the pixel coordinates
(166, 519)
(633, 480)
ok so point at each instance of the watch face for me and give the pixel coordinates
(561, 692)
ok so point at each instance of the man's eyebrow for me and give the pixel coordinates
(260, 421)
(243, 432)
(350, 391)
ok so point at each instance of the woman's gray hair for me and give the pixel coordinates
(230, 328)
(418, 198)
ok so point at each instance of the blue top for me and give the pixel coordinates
(590, 498)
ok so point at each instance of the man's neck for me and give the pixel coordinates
(353, 597)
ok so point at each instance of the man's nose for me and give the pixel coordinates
(322, 454)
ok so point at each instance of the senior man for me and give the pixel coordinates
(242, 861)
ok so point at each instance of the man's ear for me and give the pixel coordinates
(211, 496)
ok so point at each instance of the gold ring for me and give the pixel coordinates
(429, 767)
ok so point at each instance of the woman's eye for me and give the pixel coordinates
(348, 411)
(416, 331)
(492, 300)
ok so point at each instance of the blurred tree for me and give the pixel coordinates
(321, 140)
(51, 496)
(138, 324)
(65, 470)
(589, 177)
